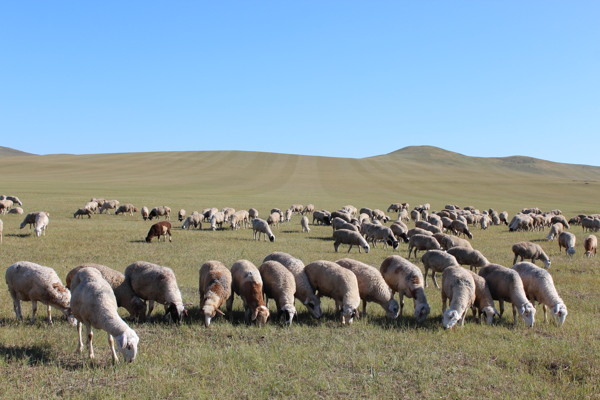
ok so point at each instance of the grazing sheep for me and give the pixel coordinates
(506, 285)
(296, 208)
(16, 210)
(81, 212)
(41, 223)
(109, 205)
(162, 228)
(304, 224)
(422, 242)
(145, 213)
(28, 281)
(415, 215)
(261, 226)
(418, 231)
(395, 207)
(555, 230)
(126, 208)
(181, 214)
(214, 288)
(124, 294)
(5, 205)
(208, 213)
(331, 280)
(29, 219)
(240, 218)
(383, 233)
(531, 251)
(399, 230)
(304, 291)
(321, 217)
(567, 240)
(404, 277)
(92, 206)
(590, 245)
(156, 283)
(14, 199)
(274, 219)
(560, 219)
(341, 214)
(227, 213)
(380, 215)
(350, 209)
(345, 236)
(247, 283)
(458, 286)
(279, 284)
(468, 256)
(447, 241)
(520, 222)
(484, 222)
(217, 220)
(484, 303)
(436, 261)
(252, 213)
(95, 306)
(308, 209)
(539, 286)
(428, 227)
(403, 216)
(372, 287)
(457, 227)
(338, 223)
(194, 219)
(99, 201)
(160, 211)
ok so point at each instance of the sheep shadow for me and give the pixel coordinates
(34, 355)
(322, 238)
(539, 240)
(137, 241)
(19, 235)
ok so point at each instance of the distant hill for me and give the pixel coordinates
(8, 152)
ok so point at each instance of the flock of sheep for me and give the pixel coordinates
(94, 292)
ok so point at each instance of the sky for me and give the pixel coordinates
(329, 78)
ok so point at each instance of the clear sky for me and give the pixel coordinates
(332, 78)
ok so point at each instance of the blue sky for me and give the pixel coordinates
(330, 78)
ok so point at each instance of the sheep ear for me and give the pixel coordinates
(219, 311)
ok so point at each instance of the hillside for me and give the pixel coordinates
(8, 152)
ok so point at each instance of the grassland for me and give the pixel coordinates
(373, 358)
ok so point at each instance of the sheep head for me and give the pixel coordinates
(393, 309)
(289, 311)
(450, 318)
(421, 311)
(560, 313)
(489, 312)
(527, 312)
(260, 315)
(348, 314)
(127, 344)
(314, 307)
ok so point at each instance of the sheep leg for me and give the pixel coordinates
(364, 307)
(462, 319)
(33, 311)
(545, 316)
(17, 307)
(501, 304)
(350, 248)
(150, 307)
(515, 260)
(229, 306)
(425, 276)
(111, 344)
(401, 304)
(514, 310)
(444, 301)
(80, 344)
(434, 280)
(90, 340)
(49, 310)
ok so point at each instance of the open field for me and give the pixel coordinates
(372, 358)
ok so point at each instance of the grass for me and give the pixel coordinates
(373, 358)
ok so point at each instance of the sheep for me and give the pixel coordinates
(422, 242)
(29, 219)
(399, 230)
(503, 217)
(589, 224)
(506, 285)
(380, 215)
(15, 200)
(590, 244)
(304, 291)
(555, 230)
(567, 240)
(247, 283)
(252, 213)
(308, 209)
(99, 201)
(345, 236)
(304, 224)
(468, 256)
(156, 283)
(92, 206)
(28, 281)
(240, 218)
(457, 227)
(372, 287)
(338, 223)
(5, 205)
(383, 233)
(279, 284)
(126, 208)
(160, 211)
(124, 294)
(94, 305)
(208, 213)
(145, 213)
(331, 280)
(214, 287)
(162, 228)
(539, 286)
(520, 222)
(109, 205)
(428, 227)
(403, 216)
(194, 219)
(560, 219)
(418, 231)
(321, 217)
(341, 214)
(274, 219)
(81, 212)
(296, 208)
(484, 222)
(349, 209)
(458, 285)
(16, 210)
(415, 215)
(530, 250)
(395, 207)
(181, 214)
(217, 220)
(484, 303)
(41, 224)
(404, 277)
(367, 211)
(436, 261)
(448, 241)
(261, 226)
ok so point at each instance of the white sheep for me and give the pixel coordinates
(279, 284)
(468, 256)
(484, 303)
(331, 280)
(345, 236)
(539, 286)
(304, 224)
(156, 283)
(590, 244)
(193, 220)
(217, 220)
(382, 233)
(304, 291)
(259, 226)
(28, 281)
(422, 242)
(372, 287)
(145, 213)
(448, 241)
(181, 215)
(109, 205)
(436, 261)
(404, 277)
(555, 230)
(567, 240)
(214, 287)
(458, 286)
(95, 306)
(41, 224)
(247, 283)
(506, 285)
(16, 210)
(92, 206)
(308, 209)
(240, 218)
(531, 251)
(160, 211)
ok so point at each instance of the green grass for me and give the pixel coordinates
(373, 358)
